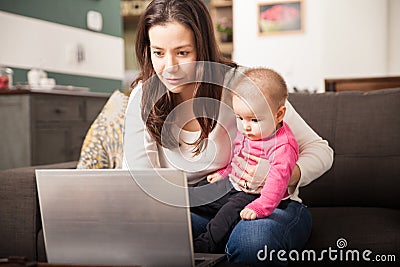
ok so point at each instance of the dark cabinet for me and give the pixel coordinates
(43, 128)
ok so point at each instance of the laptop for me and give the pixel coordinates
(118, 217)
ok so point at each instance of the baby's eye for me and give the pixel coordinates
(240, 118)
(254, 120)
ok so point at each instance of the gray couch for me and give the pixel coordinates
(355, 202)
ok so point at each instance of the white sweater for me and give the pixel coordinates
(141, 151)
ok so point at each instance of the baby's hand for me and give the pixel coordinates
(214, 177)
(248, 214)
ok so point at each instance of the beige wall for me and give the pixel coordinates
(342, 38)
(394, 38)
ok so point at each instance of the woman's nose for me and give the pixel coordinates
(171, 64)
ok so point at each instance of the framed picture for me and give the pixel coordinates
(281, 17)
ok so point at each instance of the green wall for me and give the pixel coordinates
(71, 13)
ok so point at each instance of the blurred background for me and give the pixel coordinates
(90, 43)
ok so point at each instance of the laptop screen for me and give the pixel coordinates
(105, 217)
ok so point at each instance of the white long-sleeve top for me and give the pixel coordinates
(141, 150)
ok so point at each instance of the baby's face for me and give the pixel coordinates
(254, 118)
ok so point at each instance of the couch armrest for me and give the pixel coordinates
(19, 211)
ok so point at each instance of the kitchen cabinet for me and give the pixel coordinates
(45, 127)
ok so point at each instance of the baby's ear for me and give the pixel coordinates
(280, 113)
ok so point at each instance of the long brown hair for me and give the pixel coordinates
(157, 101)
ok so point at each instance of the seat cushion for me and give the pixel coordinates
(376, 229)
(364, 131)
(351, 230)
(41, 250)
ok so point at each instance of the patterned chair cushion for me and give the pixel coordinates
(102, 148)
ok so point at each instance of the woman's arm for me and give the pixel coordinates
(140, 150)
(315, 155)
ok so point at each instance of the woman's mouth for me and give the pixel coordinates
(173, 81)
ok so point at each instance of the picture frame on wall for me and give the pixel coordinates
(280, 17)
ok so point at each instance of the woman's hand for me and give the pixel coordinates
(252, 177)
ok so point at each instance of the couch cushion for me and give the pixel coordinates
(20, 217)
(364, 131)
(40, 248)
(376, 229)
(318, 110)
(368, 124)
(349, 230)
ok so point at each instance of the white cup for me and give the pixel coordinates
(47, 83)
(34, 76)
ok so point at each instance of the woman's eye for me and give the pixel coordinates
(157, 53)
(183, 53)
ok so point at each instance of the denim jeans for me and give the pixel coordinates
(257, 242)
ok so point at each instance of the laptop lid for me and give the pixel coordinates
(116, 217)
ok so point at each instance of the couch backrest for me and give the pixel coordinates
(364, 131)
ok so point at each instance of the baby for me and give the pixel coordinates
(262, 133)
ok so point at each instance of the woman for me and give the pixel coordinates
(168, 124)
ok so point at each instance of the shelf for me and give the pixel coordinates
(222, 9)
(226, 48)
(133, 9)
(220, 3)
(131, 18)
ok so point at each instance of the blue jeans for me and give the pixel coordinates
(251, 242)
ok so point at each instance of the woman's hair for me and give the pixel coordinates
(157, 101)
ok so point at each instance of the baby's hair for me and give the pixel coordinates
(269, 82)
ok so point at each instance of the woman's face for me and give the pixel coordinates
(173, 55)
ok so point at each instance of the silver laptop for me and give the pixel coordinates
(118, 217)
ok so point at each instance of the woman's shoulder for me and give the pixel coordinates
(135, 89)
(135, 95)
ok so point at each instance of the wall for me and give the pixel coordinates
(130, 30)
(46, 34)
(341, 39)
(355, 38)
(131, 63)
(394, 38)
